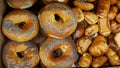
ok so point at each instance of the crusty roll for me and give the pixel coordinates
(103, 8)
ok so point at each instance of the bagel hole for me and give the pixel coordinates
(21, 25)
(20, 54)
(57, 17)
(57, 53)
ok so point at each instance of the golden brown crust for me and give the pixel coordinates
(79, 14)
(82, 44)
(84, 5)
(61, 28)
(11, 29)
(20, 4)
(100, 38)
(85, 60)
(112, 12)
(68, 57)
(90, 17)
(52, 1)
(99, 61)
(28, 50)
(113, 57)
(99, 47)
(91, 30)
(104, 26)
(103, 8)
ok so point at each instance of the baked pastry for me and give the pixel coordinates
(20, 25)
(58, 53)
(57, 20)
(20, 4)
(20, 55)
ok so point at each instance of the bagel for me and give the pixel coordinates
(20, 4)
(20, 55)
(66, 54)
(20, 25)
(57, 20)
